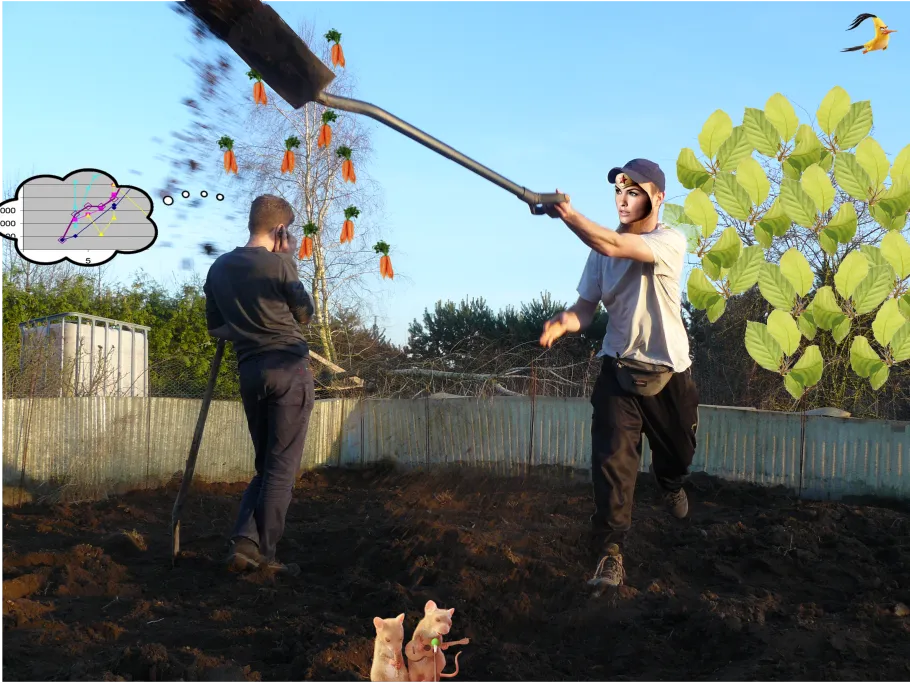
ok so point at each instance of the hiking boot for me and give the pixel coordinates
(244, 555)
(609, 570)
(677, 501)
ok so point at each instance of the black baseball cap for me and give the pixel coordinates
(641, 171)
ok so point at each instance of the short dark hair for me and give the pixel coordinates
(267, 211)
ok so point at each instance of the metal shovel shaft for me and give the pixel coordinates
(392, 121)
(194, 451)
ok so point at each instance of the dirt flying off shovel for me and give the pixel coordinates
(261, 38)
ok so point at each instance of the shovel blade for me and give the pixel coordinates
(261, 38)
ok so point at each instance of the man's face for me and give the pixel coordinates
(632, 202)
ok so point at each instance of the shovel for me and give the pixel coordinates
(264, 41)
(190, 469)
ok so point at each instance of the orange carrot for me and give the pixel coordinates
(230, 161)
(325, 131)
(347, 166)
(258, 88)
(306, 245)
(288, 163)
(337, 53)
(347, 229)
(385, 262)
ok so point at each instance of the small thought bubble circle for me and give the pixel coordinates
(168, 199)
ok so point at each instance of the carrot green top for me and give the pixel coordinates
(252, 73)
(351, 212)
(381, 248)
(333, 36)
(224, 142)
(310, 229)
(344, 152)
(328, 117)
(291, 142)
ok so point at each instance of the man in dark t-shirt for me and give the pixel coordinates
(254, 298)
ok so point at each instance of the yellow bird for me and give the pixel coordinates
(882, 33)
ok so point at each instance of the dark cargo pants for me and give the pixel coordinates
(278, 396)
(669, 419)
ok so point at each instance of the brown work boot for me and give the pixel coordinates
(610, 571)
(244, 555)
(677, 501)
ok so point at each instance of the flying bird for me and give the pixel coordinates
(882, 34)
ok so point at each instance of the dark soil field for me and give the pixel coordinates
(756, 585)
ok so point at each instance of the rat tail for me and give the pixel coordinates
(454, 673)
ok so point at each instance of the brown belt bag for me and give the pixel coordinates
(640, 378)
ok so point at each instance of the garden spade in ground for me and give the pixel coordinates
(264, 41)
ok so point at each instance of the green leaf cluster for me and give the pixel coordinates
(734, 212)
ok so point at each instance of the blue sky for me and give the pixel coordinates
(546, 93)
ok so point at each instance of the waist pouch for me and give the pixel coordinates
(640, 378)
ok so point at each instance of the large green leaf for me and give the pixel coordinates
(817, 185)
(833, 108)
(783, 328)
(900, 344)
(904, 304)
(735, 148)
(797, 204)
(795, 267)
(744, 273)
(841, 330)
(871, 156)
(863, 358)
(875, 255)
(879, 377)
(843, 225)
(764, 236)
(852, 177)
(901, 165)
(712, 267)
(761, 132)
(781, 113)
(896, 200)
(808, 369)
(825, 309)
(886, 220)
(699, 208)
(776, 289)
(827, 161)
(855, 125)
(716, 309)
(689, 170)
(700, 290)
(776, 221)
(873, 289)
(751, 176)
(790, 171)
(896, 251)
(852, 270)
(717, 128)
(727, 249)
(793, 387)
(887, 321)
(763, 347)
(806, 324)
(828, 241)
(732, 196)
(808, 149)
(675, 215)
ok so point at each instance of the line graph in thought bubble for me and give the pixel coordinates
(85, 217)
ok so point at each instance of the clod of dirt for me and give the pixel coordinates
(900, 609)
(124, 544)
(23, 586)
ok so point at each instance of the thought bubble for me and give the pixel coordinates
(86, 218)
(169, 200)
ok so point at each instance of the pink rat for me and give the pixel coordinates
(388, 664)
(425, 665)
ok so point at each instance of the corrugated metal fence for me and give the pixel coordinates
(101, 445)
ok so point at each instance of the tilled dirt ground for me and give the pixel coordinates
(756, 585)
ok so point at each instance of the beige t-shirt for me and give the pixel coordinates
(643, 301)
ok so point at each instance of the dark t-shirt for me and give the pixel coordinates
(257, 297)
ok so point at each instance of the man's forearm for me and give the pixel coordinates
(600, 239)
(578, 319)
